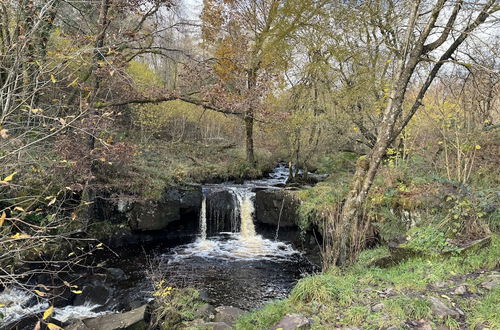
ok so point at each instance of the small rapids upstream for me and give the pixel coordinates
(228, 261)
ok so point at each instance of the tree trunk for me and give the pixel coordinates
(249, 118)
(249, 138)
(352, 219)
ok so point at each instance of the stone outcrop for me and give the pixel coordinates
(176, 209)
(227, 314)
(293, 322)
(137, 319)
(275, 206)
(175, 204)
(441, 310)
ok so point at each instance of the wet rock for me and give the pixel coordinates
(377, 308)
(441, 310)
(460, 290)
(293, 321)
(228, 314)
(77, 325)
(116, 274)
(175, 204)
(205, 297)
(136, 319)
(273, 206)
(96, 294)
(221, 216)
(205, 312)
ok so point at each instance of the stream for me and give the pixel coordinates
(228, 262)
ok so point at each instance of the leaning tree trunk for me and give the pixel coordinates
(249, 118)
(352, 220)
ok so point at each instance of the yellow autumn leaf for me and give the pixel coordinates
(48, 312)
(9, 178)
(40, 293)
(53, 78)
(2, 218)
(20, 236)
(76, 291)
(52, 326)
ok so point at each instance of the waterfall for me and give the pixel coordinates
(246, 207)
(203, 219)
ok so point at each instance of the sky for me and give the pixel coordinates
(193, 7)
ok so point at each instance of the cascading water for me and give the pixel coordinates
(230, 260)
(242, 242)
(203, 218)
(246, 213)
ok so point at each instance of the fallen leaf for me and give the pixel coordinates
(48, 312)
(2, 218)
(40, 293)
(9, 178)
(52, 326)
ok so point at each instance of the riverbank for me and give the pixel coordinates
(420, 293)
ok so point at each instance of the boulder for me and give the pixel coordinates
(228, 314)
(175, 204)
(377, 308)
(116, 274)
(292, 322)
(136, 319)
(460, 290)
(490, 284)
(276, 206)
(96, 293)
(205, 312)
(77, 325)
(441, 310)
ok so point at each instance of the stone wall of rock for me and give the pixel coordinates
(175, 214)
(276, 206)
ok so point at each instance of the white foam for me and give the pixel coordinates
(77, 312)
(233, 246)
(15, 301)
(14, 305)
